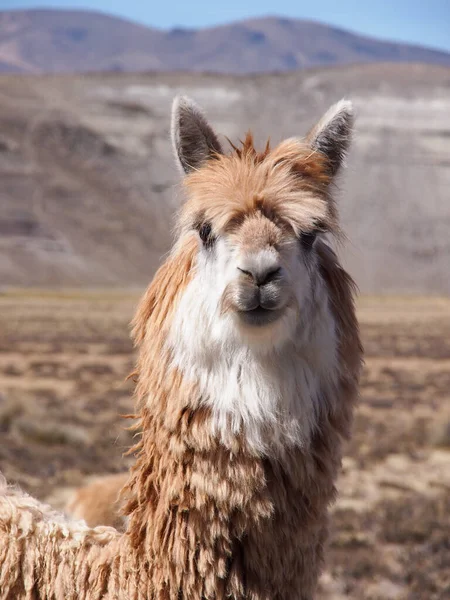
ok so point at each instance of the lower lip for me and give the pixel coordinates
(259, 316)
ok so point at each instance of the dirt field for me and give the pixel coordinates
(63, 361)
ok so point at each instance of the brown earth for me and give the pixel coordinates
(63, 361)
(88, 184)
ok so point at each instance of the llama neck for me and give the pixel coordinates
(215, 517)
(272, 395)
(219, 516)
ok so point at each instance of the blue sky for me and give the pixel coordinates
(424, 22)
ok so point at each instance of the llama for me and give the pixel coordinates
(247, 375)
(100, 501)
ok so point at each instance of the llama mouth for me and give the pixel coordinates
(260, 316)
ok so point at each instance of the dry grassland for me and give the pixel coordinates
(63, 361)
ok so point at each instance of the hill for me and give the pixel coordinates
(88, 181)
(63, 41)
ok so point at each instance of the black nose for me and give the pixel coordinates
(261, 277)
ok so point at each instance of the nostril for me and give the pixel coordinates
(270, 276)
(261, 278)
(248, 273)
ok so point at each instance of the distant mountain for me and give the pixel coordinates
(59, 41)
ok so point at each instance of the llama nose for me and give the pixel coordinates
(262, 276)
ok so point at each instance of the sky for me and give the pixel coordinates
(425, 22)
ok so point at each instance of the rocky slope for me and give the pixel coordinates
(88, 182)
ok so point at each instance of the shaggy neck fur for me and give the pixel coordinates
(222, 519)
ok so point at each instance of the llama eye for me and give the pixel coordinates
(307, 239)
(205, 233)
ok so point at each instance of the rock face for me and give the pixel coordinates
(88, 185)
(58, 41)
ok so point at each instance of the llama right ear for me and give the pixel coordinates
(193, 139)
(332, 135)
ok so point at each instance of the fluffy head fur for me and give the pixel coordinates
(246, 380)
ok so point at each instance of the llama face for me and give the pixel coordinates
(262, 261)
(252, 282)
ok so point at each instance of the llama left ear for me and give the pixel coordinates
(193, 139)
(332, 134)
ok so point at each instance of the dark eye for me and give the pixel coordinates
(307, 239)
(205, 233)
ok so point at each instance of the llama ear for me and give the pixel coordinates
(332, 134)
(193, 139)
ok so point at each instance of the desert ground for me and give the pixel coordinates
(64, 357)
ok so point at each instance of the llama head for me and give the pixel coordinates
(255, 217)
(242, 304)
